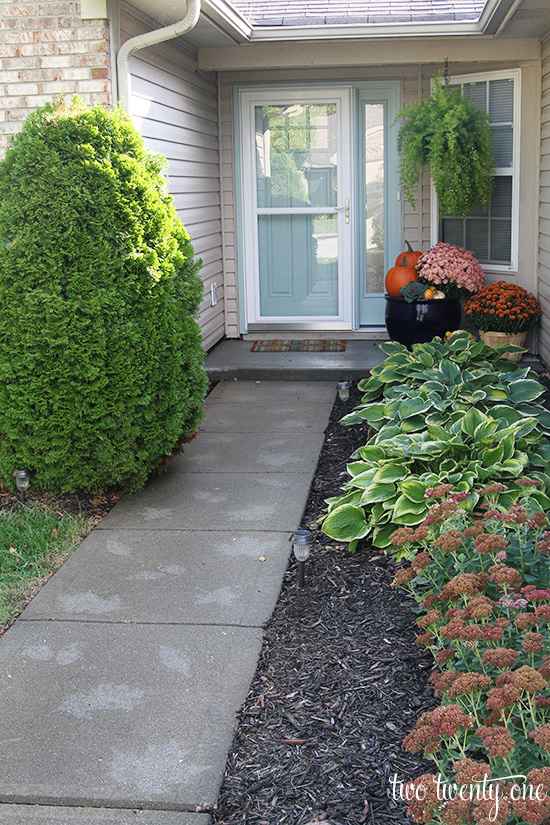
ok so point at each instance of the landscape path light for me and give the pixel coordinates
(22, 480)
(301, 541)
(343, 388)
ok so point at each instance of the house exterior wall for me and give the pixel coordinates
(46, 49)
(412, 228)
(176, 110)
(417, 224)
(544, 208)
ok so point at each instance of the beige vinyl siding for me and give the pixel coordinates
(544, 209)
(176, 110)
(229, 211)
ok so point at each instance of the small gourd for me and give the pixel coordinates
(439, 294)
(430, 292)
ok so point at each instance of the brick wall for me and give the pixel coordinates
(46, 49)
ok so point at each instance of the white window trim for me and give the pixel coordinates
(514, 170)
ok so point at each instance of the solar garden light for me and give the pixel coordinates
(343, 392)
(22, 479)
(301, 541)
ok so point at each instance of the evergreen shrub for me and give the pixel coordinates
(100, 357)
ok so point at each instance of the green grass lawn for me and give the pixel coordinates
(35, 540)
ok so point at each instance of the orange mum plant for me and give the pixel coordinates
(503, 307)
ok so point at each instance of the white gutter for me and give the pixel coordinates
(493, 14)
(362, 31)
(508, 16)
(141, 41)
(223, 15)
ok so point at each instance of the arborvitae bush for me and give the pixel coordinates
(100, 357)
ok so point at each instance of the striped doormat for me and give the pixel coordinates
(298, 346)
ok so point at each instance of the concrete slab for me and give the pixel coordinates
(126, 716)
(249, 453)
(210, 501)
(54, 815)
(286, 417)
(167, 576)
(120, 683)
(264, 392)
(233, 359)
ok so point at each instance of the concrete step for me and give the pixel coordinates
(232, 359)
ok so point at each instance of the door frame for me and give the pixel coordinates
(348, 96)
(248, 99)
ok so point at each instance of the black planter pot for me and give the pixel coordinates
(421, 321)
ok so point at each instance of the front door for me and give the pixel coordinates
(314, 199)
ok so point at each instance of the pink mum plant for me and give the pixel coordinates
(450, 268)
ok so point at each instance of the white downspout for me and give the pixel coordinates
(141, 41)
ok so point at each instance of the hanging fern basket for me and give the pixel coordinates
(451, 137)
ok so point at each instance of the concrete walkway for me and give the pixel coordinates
(120, 682)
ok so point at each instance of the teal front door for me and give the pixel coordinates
(313, 207)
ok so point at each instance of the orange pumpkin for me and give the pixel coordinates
(411, 257)
(399, 275)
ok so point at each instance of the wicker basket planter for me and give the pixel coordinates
(493, 339)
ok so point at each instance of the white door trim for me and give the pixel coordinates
(248, 100)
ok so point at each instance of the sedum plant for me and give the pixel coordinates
(484, 584)
(100, 356)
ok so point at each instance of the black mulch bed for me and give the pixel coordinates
(92, 508)
(339, 684)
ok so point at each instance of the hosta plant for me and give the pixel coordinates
(463, 417)
(461, 366)
(393, 471)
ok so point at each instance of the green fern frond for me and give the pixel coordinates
(451, 137)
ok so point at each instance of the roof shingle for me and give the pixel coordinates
(355, 12)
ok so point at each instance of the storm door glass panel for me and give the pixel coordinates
(374, 196)
(378, 224)
(296, 191)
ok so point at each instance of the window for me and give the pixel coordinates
(492, 233)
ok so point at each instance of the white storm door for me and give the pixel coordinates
(296, 208)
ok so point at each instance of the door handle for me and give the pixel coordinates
(344, 209)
